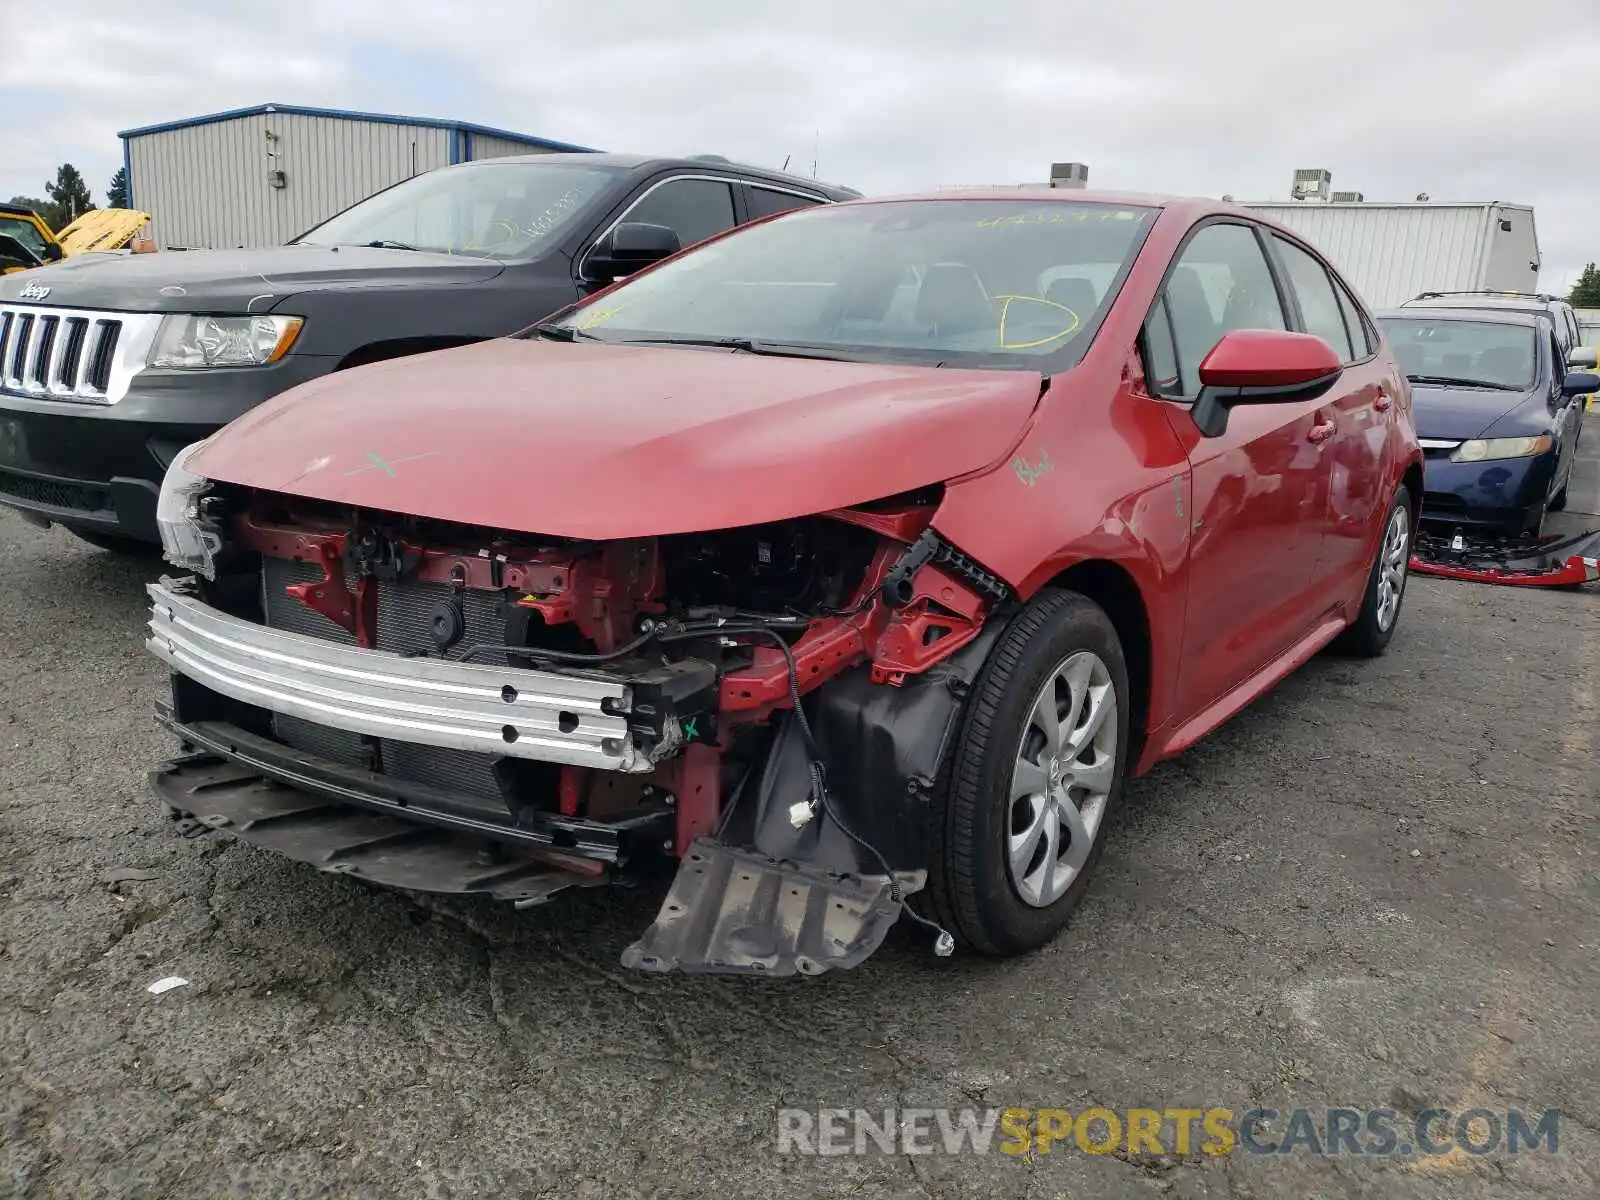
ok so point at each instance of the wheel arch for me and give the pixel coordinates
(1117, 592)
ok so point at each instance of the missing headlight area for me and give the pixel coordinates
(782, 694)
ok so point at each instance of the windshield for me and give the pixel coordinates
(489, 210)
(1467, 353)
(25, 232)
(968, 283)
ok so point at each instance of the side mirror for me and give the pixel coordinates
(52, 252)
(632, 246)
(1580, 383)
(1261, 366)
(1584, 358)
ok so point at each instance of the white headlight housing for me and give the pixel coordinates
(188, 539)
(188, 341)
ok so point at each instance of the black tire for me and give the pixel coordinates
(969, 888)
(1558, 502)
(117, 544)
(1366, 636)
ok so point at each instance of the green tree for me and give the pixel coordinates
(117, 193)
(69, 197)
(1586, 292)
(38, 206)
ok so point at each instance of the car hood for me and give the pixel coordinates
(223, 281)
(586, 440)
(1462, 413)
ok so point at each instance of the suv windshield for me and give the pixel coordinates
(488, 210)
(1467, 353)
(966, 283)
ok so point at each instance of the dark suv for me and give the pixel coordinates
(109, 366)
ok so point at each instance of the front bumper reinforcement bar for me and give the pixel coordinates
(579, 719)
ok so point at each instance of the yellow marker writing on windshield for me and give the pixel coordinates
(1005, 310)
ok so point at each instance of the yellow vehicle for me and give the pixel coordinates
(26, 240)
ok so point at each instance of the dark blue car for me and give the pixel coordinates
(1497, 411)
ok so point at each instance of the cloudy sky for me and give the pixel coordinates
(1463, 99)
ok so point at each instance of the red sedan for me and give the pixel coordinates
(854, 559)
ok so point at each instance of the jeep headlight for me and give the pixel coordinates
(189, 341)
(1483, 449)
(188, 539)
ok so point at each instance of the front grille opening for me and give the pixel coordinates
(77, 497)
(99, 377)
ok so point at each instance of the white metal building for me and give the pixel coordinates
(261, 176)
(1391, 252)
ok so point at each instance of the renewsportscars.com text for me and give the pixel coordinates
(1180, 1132)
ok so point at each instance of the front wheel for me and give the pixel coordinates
(1038, 771)
(1368, 636)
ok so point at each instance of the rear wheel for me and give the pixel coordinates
(117, 544)
(1368, 636)
(1038, 771)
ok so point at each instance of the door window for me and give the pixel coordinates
(764, 202)
(1220, 283)
(1361, 342)
(1319, 304)
(694, 209)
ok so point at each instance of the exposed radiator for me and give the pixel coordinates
(404, 614)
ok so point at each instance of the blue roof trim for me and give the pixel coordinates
(300, 110)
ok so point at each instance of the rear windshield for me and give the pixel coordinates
(1466, 353)
(490, 210)
(979, 283)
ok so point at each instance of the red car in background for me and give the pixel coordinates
(854, 559)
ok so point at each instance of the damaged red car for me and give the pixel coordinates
(848, 564)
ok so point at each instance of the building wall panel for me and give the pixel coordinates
(206, 186)
(479, 146)
(1389, 253)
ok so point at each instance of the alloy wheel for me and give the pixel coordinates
(1061, 781)
(1393, 559)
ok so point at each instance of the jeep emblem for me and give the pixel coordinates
(33, 291)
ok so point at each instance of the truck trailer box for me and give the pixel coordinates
(1392, 252)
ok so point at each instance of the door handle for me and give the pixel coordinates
(1320, 433)
(1384, 402)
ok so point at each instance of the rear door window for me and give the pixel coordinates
(764, 202)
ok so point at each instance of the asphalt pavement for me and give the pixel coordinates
(1377, 887)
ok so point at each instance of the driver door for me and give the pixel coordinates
(1260, 491)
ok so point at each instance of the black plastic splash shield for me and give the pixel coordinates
(205, 793)
(738, 912)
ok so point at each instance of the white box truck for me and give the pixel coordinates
(1394, 251)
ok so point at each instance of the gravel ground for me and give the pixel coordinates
(1377, 888)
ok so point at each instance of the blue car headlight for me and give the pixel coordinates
(1483, 449)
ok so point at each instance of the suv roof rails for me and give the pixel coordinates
(1541, 296)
